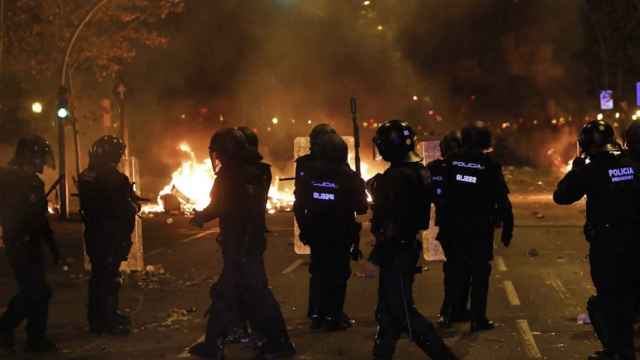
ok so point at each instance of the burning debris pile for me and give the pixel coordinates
(190, 185)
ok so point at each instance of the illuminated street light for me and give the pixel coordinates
(37, 107)
(366, 3)
(275, 121)
(380, 27)
(415, 97)
(63, 113)
(309, 122)
(617, 115)
(600, 116)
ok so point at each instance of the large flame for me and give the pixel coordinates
(191, 185)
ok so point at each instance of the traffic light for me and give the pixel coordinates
(62, 111)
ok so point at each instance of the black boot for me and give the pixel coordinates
(435, 347)
(482, 325)
(385, 344)
(113, 326)
(281, 349)
(7, 342)
(317, 322)
(40, 346)
(214, 350)
(337, 323)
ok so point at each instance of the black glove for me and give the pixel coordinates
(197, 220)
(578, 163)
(356, 253)
(506, 238)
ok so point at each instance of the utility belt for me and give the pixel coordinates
(593, 231)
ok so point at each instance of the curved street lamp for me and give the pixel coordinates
(64, 187)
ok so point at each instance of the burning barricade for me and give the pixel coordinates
(190, 186)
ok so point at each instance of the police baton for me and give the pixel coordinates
(53, 187)
(356, 133)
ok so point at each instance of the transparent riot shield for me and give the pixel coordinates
(432, 251)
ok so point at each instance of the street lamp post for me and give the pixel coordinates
(64, 194)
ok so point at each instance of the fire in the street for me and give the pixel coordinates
(191, 185)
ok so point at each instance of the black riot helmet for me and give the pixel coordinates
(450, 144)
(632, 138)
(334, 149)
(476, 136)
(396, 141)
(107, 151)
(228, 144)
(34, 151)
(596, 136)
(250, 136)
(316, 136)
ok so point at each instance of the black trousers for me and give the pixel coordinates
(103, 291)
(330, 270)
(31, 303)
(396, 314)
(614, 276)
(453, 307)
(470, 275)
(243, 288)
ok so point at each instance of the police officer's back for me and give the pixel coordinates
(402, 199)
(108, 208)
(328, 194)
(609, 179)
(23, 217)
(475, 201)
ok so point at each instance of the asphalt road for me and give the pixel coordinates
(539, 286)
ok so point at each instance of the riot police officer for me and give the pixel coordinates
(449, 145)
(23, 216)
(239, 202)
(108, 206)
(475, 202)
(315, 141)
(402, 199)
(610, 182)
(328, 194)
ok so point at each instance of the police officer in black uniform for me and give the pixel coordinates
(108, 206)
(439, 169)
(329, 194)
(475, 202)
(238, 200)
(23, 216)
(241, 333)
(402, 196)
(610, 181)
(315, 140)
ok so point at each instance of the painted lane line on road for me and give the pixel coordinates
(500, 264)
(512, 295)
(201, 235)
(529, 342)
(560, 289)
(185, 352)
(293, 266)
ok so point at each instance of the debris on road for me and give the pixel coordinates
(583, 319)
(533, 252)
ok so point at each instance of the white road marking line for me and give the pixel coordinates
(185, 353)
(293, 266)
(201, 235)
(560, 289)
(512, 295)
(529, 342)
(500, 264)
